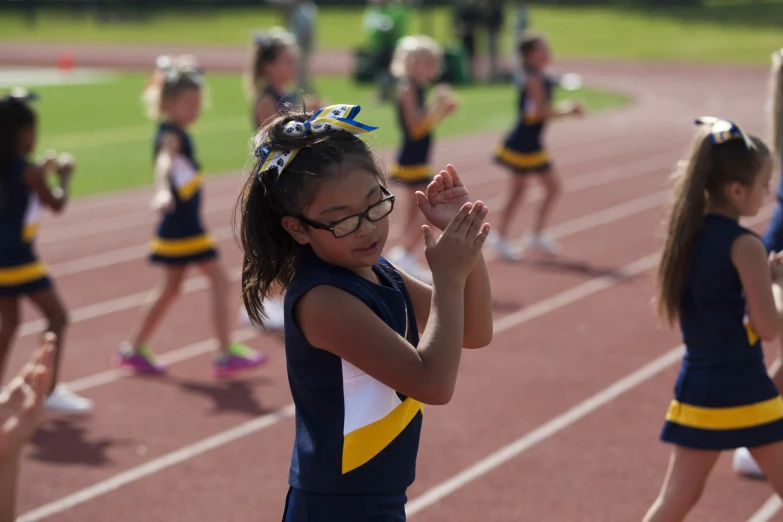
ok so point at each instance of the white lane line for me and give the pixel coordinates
(543, 432)
(159, 464)
(542, 307)
(136, 218)
(196, 283)
(585, 181)
(768, 510)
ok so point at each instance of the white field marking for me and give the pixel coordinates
(38, 77)
(582, 182)
(147, 218)
(547, 305)
(577, 412)
(138, 218)
(196, 283)
(768, 510)
(543, 432)
(101, 138)
(159, 464)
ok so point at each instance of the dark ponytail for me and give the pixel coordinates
(269, 252)
(15, 115)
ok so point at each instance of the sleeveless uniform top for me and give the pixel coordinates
(414, 156)
(280, 100)
(522, 150)
(181, 236)
(20, 217)
(354, 435)
(773, 236)
(724, 398)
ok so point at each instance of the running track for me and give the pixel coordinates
(556, 421)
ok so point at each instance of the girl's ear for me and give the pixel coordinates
(296, 229)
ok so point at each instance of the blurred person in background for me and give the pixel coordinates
(385, 22)
(302, 18)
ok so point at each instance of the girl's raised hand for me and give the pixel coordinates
(453, 255)
(444, 198)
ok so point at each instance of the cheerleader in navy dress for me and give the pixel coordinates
(417, 63)
(24, 193)
(272, 71)
(717, 280)
(181, 240)
(773, 237)
(524, 154)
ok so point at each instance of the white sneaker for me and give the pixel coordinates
(504, 249)
(542, 243)
(744, 464)
(63, 400)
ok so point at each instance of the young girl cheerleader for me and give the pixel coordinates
(314, 219)
(271, 73)
(174, 98)
(24, 191)
(270, 76)
(417, 62)
(716, 278)
(523, 152)
(773, 237)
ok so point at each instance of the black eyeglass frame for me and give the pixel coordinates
(362, 215)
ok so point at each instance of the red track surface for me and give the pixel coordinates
(567, 329)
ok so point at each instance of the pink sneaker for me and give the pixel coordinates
(140, 361)
(238, 358)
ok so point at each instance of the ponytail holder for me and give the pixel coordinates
(722, 131)
(333, 118)
(21, 94)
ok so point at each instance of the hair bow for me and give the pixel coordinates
(172, 71)
(333, 118)
(722, 131)
(21, 94)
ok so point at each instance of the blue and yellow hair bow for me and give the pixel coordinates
(332, 118)
(722, 131)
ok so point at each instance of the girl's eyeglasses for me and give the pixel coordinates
(351, 224)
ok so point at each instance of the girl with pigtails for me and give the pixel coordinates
(174, 98)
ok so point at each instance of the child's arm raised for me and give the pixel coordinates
(35, 177)
(163, 199)
(749, 257)
(443, 198)
(265, 108)
(335, 321)
(418, 121)
(544, 109)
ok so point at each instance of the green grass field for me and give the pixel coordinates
(104, 125)
(721, 31)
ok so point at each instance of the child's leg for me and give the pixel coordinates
(48, 302)
(219, 288)
(158, 303)
(552, 188)
(60, 398)
(770, 459)
(9, 321)
(516, 194)
(234, 357)
(683, 485)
